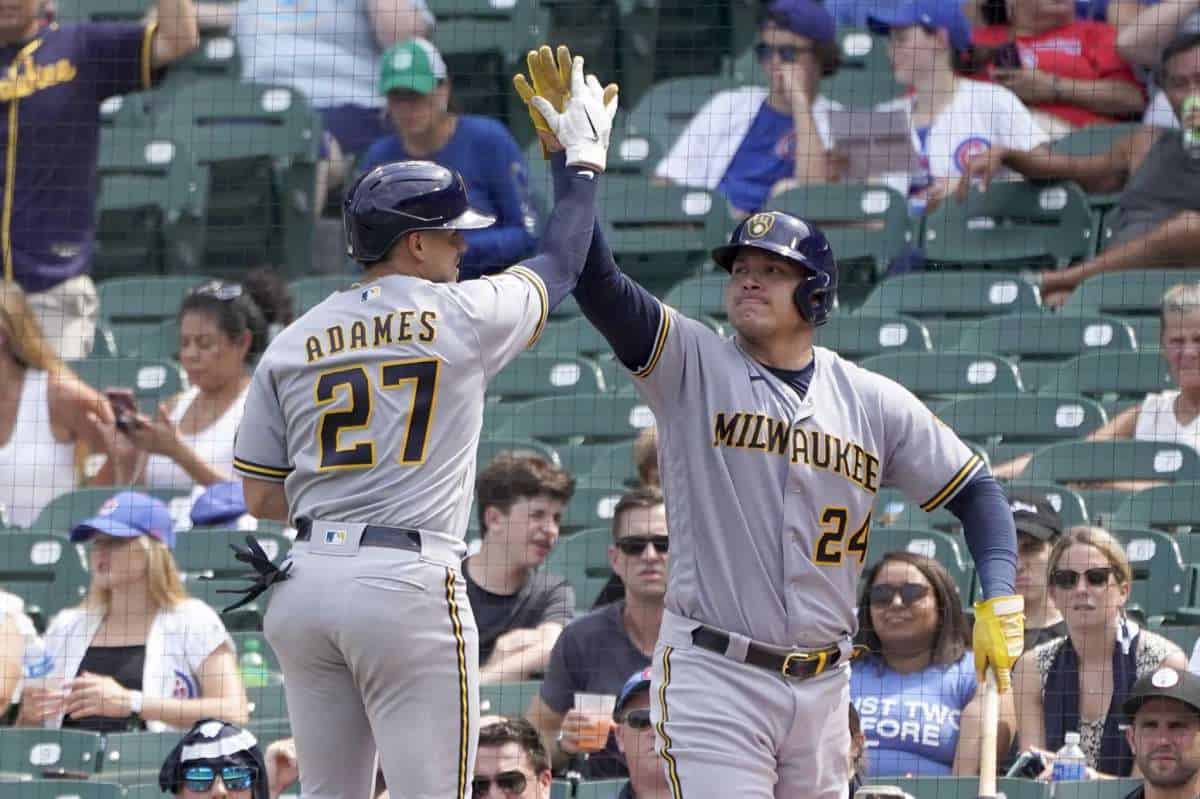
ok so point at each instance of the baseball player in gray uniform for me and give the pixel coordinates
(771, 453)
(360, 428)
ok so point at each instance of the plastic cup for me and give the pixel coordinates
(598, 708)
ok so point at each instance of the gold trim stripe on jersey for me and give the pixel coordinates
(539, 286)
(259, 470)
(464, 716)
(148, 56)
(660, 343)
(966, 471)
(672, 771)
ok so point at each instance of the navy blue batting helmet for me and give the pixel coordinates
(398, 198)
(796, 240)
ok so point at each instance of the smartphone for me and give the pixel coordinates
(1029, 765)
(124, 406)
(1006, 56)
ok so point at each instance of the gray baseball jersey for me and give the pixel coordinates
(369, 407)
(769, 496)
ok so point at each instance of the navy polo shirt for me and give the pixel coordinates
(50, 94)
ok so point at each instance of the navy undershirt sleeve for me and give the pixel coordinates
(568, 235)
(991, 537)
(626, 314)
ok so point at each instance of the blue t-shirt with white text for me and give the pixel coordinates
(911, 721)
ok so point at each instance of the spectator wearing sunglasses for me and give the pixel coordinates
(916, 690)
(635, 740)
(598, 652)
(751, 142)
(519, 607)
(223, 328)
(511, 762)
(1079, 682)
(215, 760)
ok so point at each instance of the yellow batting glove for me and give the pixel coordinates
(550, 78)
(999, 638)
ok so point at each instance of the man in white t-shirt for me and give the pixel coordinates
(750, 143)
(951, 118)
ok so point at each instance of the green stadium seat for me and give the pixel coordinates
(582, 558)
(1014, 225)
(1184, 636)
(534, 374)
(1107, 461)
(574, 336)
(145, 299)
(159, 341)
(1131, 293)
(247, 618)
(307, 292)
(948, 550)
(259, 145)
(150, 206)
(1110, 375)
(61, 789)
(32, 753)
(66, 510)
(1147, 330)
(267, 702)
(133, 758)
(1043, 335)
(658, 233)
(931, 374)
(860, 335)
(45, 569)
(152, 380)
(894, 509)
(600, 464)
(1161, 581)
(591, 506)
(150, 791)
(508, 699)
(864, 76)
(686, 38)
(489, 448)
(1012, 424)
(595, 418)
(966, 295)
(1094, 140)
(589, 789)
(206, 553)
(101, 10)
(866, 224)
(217, 58)
(1167, 507)
(662, 113)
(701, 294)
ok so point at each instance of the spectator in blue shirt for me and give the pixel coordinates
(414, 80)
(915, 691)
(55, 77)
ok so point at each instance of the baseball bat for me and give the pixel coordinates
(987, 738)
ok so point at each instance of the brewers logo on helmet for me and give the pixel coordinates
(792, 238)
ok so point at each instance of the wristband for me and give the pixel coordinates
(135, 702)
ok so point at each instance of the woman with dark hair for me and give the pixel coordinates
(915, 691)
(223, 328)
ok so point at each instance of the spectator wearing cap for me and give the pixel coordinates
(138, 649)
(511, 762)
(1163, 711)
(55, 78)
(223, 327)
(215, 760)
(1038, 528)
(635, 740)
(951, 117)
(753, 142)
(1066, 69)
(222, 505)
(413, 78)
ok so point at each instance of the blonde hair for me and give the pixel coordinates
(26, 341)
(1180, 299)
(165, 583)
(1097, 538)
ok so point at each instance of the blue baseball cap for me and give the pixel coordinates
(221, 503)
(128, 515)
(944, 15)
(803, 18)
(638, 681)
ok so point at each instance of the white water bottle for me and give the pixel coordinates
(38, 671)
(1070, 763)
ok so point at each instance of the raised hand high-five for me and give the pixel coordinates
(553, 80)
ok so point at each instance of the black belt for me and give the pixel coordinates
(793, 665)
(373, 535)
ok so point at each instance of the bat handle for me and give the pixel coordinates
(987, 742)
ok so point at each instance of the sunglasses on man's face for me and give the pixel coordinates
(788, 53)
(507, 781)
(1067, 579)
(235, 778)
(884, 594)
(637, 719)
(636, 544)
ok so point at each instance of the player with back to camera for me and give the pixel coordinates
(361, 426)
(772, 452)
